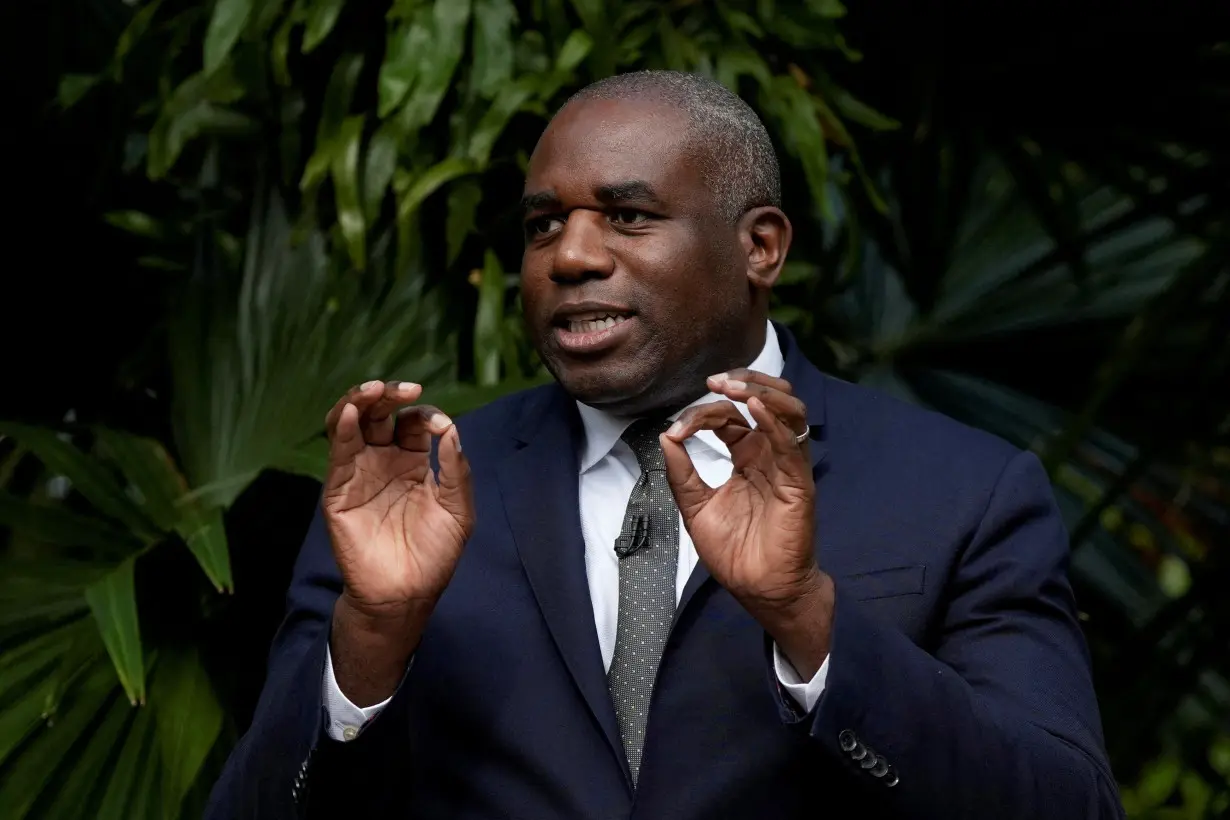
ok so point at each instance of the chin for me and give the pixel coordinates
(622, 382)
(625, 393)
(599, 389)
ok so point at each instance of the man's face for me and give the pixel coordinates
(635, 287)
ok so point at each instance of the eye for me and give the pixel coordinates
(628, 216)
(542, 225)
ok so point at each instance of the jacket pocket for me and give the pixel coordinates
(883, 583)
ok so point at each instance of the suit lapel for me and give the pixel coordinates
(808, 384)
(539, 486)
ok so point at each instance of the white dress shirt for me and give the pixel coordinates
(607, 473)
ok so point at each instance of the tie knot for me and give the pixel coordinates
(642, 437)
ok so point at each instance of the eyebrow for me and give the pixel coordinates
(541, 199)
(630, 191)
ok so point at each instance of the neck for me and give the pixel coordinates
(692, 384)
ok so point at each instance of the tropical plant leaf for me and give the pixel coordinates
(133, 33)
(279, 49)
(205, 535)
(136, 223)
(126, 797)
(77, 796)
(26, 680)
(198, 106)
(84, 650)
(489, 322)
(493, 46)
(23, 780)
(188, 719)
(113, 601)
(427, 183)
(463, 200)
(434, 71)
(86, 475)
(22, 716)
(346, 188)
(408, 48)
(321, 18)
(63, 527)
(573, 52)
(379, 164)
(336, 108)
(150, 472)
(226, 23)
(73, 87)
(308, 459)
(594, 19)
(496, 118)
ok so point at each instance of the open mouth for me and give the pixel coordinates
(592, 331)
(593, 323)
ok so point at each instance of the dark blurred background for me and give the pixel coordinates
(228, 212)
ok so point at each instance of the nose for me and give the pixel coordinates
(581, 252)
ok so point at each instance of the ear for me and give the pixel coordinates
(765, 234)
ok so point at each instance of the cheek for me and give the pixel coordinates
(675, 265)
(534, 281)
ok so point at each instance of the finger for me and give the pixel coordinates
(711, 416)
(417, 424)
(789, 408)
(743, 374)
(690, 491)
(731, 435)
(361, 396)
(345, 443)
(456, 493)
(781, 437)
(380, 419)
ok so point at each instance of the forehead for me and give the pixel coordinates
(593, 143)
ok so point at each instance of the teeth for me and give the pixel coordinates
(594, 325)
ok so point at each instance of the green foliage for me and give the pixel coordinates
(1169, 790)
(396, 126)
(113, 600)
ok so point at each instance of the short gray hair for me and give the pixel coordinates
(739, 163)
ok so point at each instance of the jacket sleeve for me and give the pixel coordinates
(285, 766)
(1001, 719)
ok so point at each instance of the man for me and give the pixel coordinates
(693, 579)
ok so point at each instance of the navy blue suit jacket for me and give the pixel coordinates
(956, 658)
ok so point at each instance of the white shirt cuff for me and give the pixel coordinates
(804, 693)
(344, 719)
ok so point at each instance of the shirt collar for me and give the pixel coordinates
(602, 429)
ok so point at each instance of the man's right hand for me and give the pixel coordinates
(397, 530)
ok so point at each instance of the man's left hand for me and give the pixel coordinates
(756, 532)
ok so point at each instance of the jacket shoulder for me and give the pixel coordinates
(875, 422)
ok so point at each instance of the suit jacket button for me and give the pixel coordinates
(870, 761)
(892, 780)
(848, 740)
(859, 752)
(881, 767)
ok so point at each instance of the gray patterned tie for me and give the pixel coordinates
(648, 550)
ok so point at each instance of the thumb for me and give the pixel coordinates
(455, 493)
(690, 491)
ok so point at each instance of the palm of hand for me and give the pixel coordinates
(394, 542)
